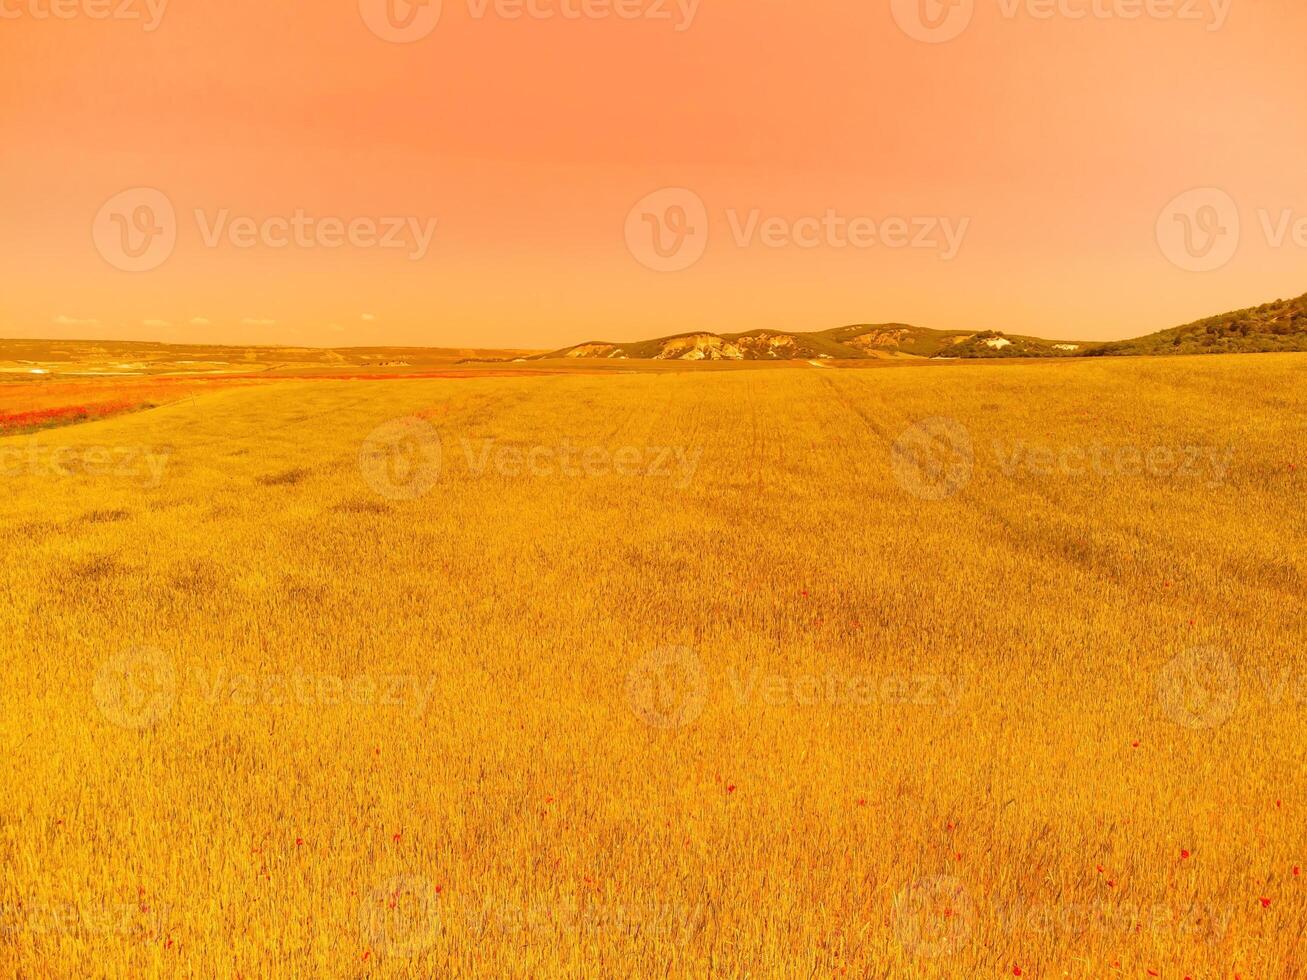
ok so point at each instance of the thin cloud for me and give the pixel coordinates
(69, 321)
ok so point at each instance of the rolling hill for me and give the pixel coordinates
(1278, 326)
(858, 342)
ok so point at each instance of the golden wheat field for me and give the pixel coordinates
(971, 672)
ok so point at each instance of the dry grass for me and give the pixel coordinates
(780, 718)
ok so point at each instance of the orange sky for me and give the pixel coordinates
(1054, 143)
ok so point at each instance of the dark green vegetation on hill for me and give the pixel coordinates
(1278, 326)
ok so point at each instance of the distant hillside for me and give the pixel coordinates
(758, 345)
(903, 340)
(859, 342)
(1278, 326)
